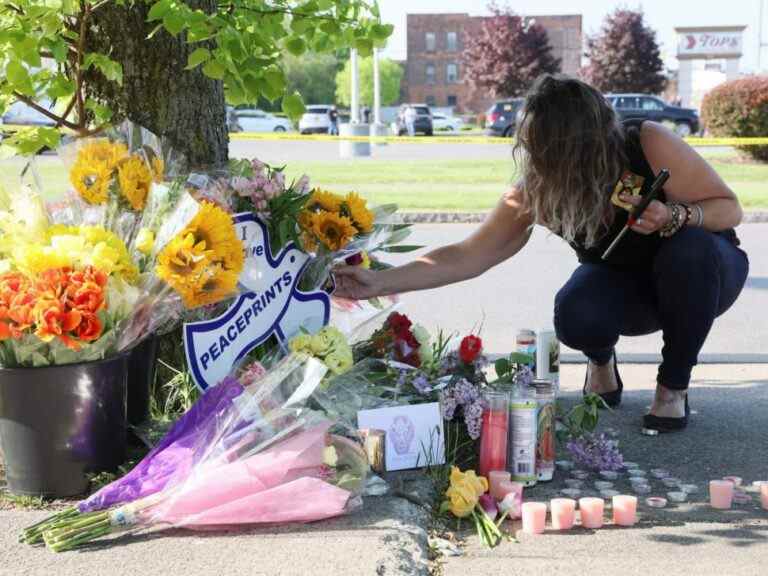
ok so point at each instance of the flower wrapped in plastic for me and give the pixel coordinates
(79, 291)
(250, 452)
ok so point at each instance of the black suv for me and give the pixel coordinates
(501, 118)
(684, 121)
(423, 122)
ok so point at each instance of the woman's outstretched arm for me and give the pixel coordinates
(501, 236)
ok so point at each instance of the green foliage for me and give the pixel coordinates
(739, 109)
(583, 417)
(309, 76)
(390, 74)
(45, 56)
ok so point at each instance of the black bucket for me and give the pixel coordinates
(58, 423)
(141, 375)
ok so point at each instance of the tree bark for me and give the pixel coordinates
(185, 106)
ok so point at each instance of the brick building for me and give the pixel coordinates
(435, 42)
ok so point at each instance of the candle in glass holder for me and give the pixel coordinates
(591, 510)
(493, 439)
(495, 478)
(764, 495)
(534, 517)
(721, 494)
(563, 512)
(624, 510)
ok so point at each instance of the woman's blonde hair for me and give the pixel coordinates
(570, 150)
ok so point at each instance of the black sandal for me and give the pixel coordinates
(664, 424)
(613, 398)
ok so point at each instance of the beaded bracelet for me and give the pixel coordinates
(677, 220)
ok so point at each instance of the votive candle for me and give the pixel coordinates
(624, 510)
(721, 494)
(764, 495)
(563, 512)
(494, 433)
(495, 478)
(591, 510)
(534, 517)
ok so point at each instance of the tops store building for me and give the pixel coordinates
(434, 73)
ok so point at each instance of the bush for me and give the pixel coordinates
(739, 109)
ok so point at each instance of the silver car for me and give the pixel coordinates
(316, 119)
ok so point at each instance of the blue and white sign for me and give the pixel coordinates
(271, 304)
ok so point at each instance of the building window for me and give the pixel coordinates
(452, 73)
(451, 41)
(429, 41)
(431, 101)
(429, 73)
(452, 101)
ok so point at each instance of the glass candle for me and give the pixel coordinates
(591, 510)
(534, 517)
(507, 487)
(764, 495)
(563, 512)
(493, 439)
(495, 478)
(721, 494)
(624, 510)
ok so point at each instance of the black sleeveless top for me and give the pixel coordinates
(634, 249)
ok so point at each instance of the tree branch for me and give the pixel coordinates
(286, 11)
(58, 119)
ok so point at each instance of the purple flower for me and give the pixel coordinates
(421, 383)
(449, 407)
(523, 377)
(596, 451)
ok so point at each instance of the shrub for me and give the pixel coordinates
(739, 109)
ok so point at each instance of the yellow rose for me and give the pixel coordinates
(462, 499)
(299, 343)
(319, 344)
(145, 241)
(339, 361)
(478, 483)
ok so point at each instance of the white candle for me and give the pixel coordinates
(563, 512)
(624, 510)
(721, 494)
(591, 510)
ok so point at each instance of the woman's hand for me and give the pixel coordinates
(653, 219)
(357, 283)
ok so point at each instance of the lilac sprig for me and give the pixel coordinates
(464, 397)
(596, 451)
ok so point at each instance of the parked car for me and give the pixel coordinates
(255, 120)
(501, 118)
(639, 107)
(423, 123)
(315, 119)
(447, 123)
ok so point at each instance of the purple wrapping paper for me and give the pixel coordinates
(179, 450)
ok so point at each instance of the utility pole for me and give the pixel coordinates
(354, 116)
(760, 43)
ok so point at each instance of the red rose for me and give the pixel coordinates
(398, 323)
(470, 348)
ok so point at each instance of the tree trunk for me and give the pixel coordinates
(184, 106)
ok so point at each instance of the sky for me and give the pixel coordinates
(661, 15)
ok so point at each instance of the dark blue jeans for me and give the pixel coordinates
(694, 277)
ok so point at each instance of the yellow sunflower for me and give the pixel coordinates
(332, 230)
(215, 285)
(361, 216)
(214, 227)
(323, 200)
(91, 175)
(135, 179)
(183, 261)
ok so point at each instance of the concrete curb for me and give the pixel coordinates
(755, 217)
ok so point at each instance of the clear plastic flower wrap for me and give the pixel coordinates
(251, 451)
(81, 282)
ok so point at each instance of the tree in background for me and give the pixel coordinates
(308, 75)
(390, 76)
(508, 54)
(624, 56)
(169, 65)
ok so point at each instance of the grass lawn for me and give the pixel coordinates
(428, 185)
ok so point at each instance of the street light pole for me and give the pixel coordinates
(354, 117)
(376, 88)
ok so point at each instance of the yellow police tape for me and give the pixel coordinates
(693, 140)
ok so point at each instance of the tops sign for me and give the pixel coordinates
(709, 44)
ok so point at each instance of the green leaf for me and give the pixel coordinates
(174, 22)
(61, 87)
(102, 113)
(112, 70)
(159, 10)
(29, 51)
(198, 57)
(214, 69)
(502, 367)
(381, 31)
(19, 78)
(32, 140)
(275, 83)
(293, 105)
(364, 46)
(296, 45)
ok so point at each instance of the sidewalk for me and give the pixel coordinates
(727, 436)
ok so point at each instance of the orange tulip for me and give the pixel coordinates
(89, 328)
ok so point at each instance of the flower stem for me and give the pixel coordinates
(34, 534)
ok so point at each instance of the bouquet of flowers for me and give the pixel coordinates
(328, 345)
(466, 497)
(80, 285)
(249, 452)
